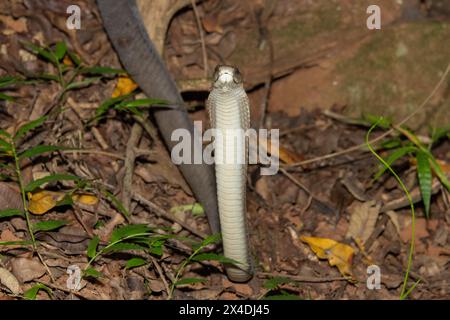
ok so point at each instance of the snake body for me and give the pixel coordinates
(137, 53)
(229, 107)
(229, 112)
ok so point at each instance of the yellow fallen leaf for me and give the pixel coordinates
(282, 153)
(67, 61)
(87, 199)
(124, 86)
(338, 254)
(43, 201)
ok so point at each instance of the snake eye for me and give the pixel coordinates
(216, 73)
(237, 77)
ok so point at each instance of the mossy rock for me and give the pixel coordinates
(394, 72)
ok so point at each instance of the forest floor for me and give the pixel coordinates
(317, 228)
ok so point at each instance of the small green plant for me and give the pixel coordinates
(405, 292)
(5, 83)
(275, 292)
(9, 150)
(426, 162)
(67, 73)
(198, 256)
(129, 237)
(31, 293)
(71, 74)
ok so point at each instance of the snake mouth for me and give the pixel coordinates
(225, 77)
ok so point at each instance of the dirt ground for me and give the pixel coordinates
(329, 197)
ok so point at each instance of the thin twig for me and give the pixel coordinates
(302, 278)
(265, 36)
(302, 186)
(308, 204)
(161, 274)
(163, 214)
(56, 287)
(130, 156)
(95, 151)
(202, 38)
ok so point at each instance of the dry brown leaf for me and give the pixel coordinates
(10, 197)
(394, 219)
(8, 236)
(362, 220)
(9, 280)
(162, 171)
(263, 188)
(27, 269)
(13, 25)
(420, 229)
(211, 24)
(338, 254)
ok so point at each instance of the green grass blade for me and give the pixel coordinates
(6, 97)
(425, 179)
(101, 71)
(74, 57)
(142, 103)
(82, 84)
(408, 195)
(13, 243)
(274, 282)
(4, 134)
(46, 76)
(406, 294)
(107, 104)
(51, 178)
(48, 225)
(382, 122)
(11, 213)
(60, 50)
(214, 238)
(128, 231)
(5, 145)
(135, 262)
(31, 293)
(92, 273)
(393, 157)
(27, 127)
(44, 53)
(38, 150)
(439, 133)
(92, 247)
(284, 296)
(123, 246)
(190, 281)
(116, 202)
(8, 80)
(391, 143)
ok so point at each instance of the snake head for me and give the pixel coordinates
(227, 77)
